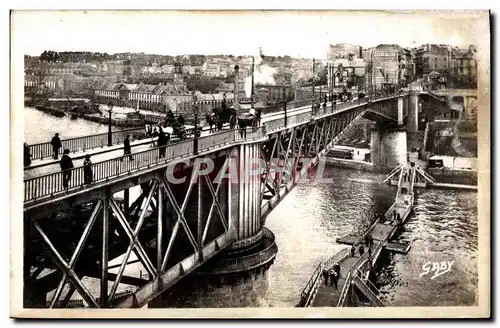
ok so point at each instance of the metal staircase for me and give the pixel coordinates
(366, 290)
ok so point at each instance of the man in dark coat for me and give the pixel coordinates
(127, 150)
(87, 170)
(66, 166)
(27, 155)
(333, 279)
(162, 143)
(180, 119)
(56, 144)
(336, 269)
(325, 276)
(169, 118)
(361, 250)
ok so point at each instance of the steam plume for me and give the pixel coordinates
(263, 74)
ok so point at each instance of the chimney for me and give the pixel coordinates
(236, 90)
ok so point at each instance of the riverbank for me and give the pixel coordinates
(121, 122)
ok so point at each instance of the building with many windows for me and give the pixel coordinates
(433, 57)
(343, 51)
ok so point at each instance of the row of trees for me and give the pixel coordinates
(140, 58)
(74, 56)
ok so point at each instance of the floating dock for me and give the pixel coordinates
(355, 267)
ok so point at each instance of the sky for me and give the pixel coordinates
(298, 34)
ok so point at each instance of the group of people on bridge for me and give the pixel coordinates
(333, 274)
(66, 162)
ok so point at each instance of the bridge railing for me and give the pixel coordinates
(305, 296)
(336, 258)
(345, 289)
(43, 150)
(51, 184)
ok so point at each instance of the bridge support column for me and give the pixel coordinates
(237, 276)
(401, 103)
(388, 147)
(412, 122)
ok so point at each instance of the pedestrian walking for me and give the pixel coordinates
(361, 250)
(66, 166)
(336, 269)
(369, 252)
(162, 143)
(127, 150)
(333, 279)
(352, 251)
(56, 144)
(87, 170)
(325, 276)
(180, 120)
(27, 155)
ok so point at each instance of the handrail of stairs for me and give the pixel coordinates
(393, 173)
(366, 290)
(345, 289)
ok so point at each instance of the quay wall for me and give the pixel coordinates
(454, 176)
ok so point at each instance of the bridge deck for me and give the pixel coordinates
(328, 295)
(49, 165)
(47, 182)
(381, 232)
(393, 246)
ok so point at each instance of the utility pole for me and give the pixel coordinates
(195, 139)
(314, 61)
(371, 73)
(284, 106)
(110, 139)
(252, 91)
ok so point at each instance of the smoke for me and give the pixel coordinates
(263, 74)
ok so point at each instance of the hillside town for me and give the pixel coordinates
(161, 82)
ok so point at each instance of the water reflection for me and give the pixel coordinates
(443, 227)
(41, 127)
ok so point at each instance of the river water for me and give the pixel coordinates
(41, 127)
(443, 227)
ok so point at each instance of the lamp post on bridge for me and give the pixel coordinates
(371, 74)
(195, 139)
(110, 136)
(314, 62)
(284, 106)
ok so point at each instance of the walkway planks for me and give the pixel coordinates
(381, 232)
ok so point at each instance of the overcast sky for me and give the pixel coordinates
(298, 34)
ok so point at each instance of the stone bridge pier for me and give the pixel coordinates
(237, 276)
(389, 143)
